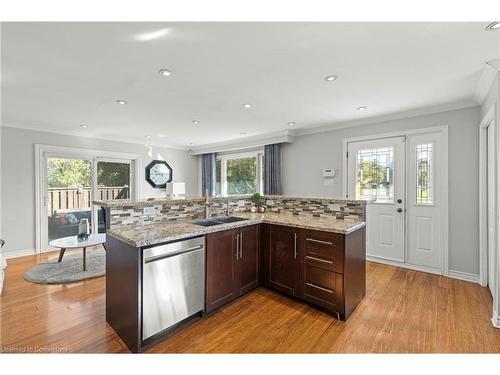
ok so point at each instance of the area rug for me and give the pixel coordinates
(70, 269)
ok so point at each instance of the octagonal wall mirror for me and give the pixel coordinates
(158, 174)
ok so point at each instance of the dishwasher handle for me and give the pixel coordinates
(169, 255)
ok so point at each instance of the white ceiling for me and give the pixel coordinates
(56, 76)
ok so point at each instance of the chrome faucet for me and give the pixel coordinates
(227, 207)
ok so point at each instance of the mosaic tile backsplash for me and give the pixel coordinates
(165, 210)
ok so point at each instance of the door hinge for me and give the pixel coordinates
(347, 154)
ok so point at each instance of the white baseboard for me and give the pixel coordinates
(404, 265)
(464, 276)
(495, 320)
(453, 274)
(18, 253)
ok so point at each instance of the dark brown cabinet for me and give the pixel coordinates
(283, 262)
(232, 265)
(220, 269)
(248, 260)
(323, 268)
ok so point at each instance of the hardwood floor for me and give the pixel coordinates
(404, 312)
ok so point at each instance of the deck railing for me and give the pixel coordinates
(77, 198)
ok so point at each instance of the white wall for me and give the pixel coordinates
(18, 176)
(304, 160)
(493, 99)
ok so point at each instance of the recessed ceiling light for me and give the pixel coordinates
(246, 105)
(291, 123)
(148, 136)
(196, 122)
(165, 72)
(152, 35)
(243, 133)
(121, 102)
(493, 26)
(362, 108)
(84, 126)
(331, 77)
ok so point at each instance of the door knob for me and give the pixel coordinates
(400, 200)
(399, 210)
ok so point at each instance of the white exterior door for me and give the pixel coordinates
(424, 200)
(376, 172)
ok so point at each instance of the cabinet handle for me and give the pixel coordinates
(319, 287)
(237, 245)
(319, 241)
(295, 246)
(319, 260)
(241, 245)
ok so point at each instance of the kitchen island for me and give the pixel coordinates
(320, 260)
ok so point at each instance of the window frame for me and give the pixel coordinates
(224, 158)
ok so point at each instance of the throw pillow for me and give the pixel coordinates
(72, 218)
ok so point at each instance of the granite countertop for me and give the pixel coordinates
(151, 234)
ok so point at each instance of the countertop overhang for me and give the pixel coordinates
(161, 232)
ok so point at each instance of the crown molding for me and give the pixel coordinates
(453, 106)
(285, 136)
(7, 124)
(248, 143)
(488, 74)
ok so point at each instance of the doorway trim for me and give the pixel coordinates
(443, 130)
(40, 173)
(488, 119)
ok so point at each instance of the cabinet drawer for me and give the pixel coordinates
(323, 250)
(323, 287)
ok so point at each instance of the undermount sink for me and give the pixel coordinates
(206, 223)
(218, 221)
(229, 219)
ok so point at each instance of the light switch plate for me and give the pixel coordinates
(241, 202)
(148, 211)
(269, 202)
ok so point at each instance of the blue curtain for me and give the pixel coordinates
(208, 174)
(272, 169)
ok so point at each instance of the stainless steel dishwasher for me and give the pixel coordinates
(173, 284)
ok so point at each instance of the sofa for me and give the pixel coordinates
(64, 222)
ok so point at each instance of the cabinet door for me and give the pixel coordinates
(248, 260)
(221, 273)
(283, 259)
(324, 288)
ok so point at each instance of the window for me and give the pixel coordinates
(424, 173)
(239, 174)
(374, 174)
(71, 188)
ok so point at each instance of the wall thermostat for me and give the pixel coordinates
(329, 172)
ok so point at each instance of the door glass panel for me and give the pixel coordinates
(68, 195)
(374, 174)
(241, 176)
(113, 182)
(424, 174)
